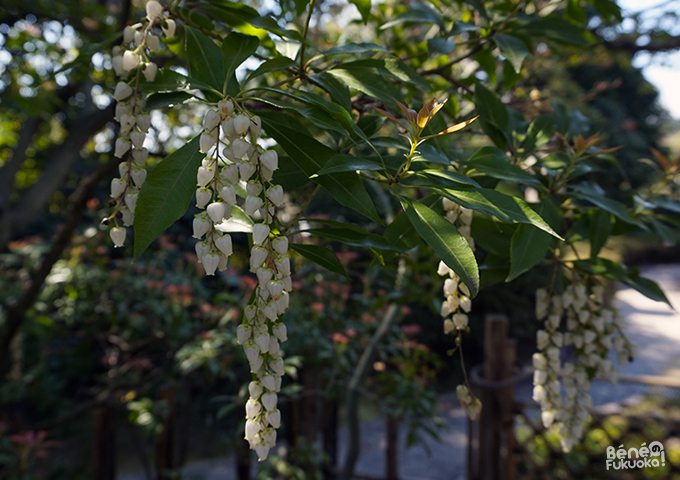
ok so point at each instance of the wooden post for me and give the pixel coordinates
(330, 436)
(506, 397)
(242, 460)
(392, 452)
(495, 342)
(104, 443)
(165, 451)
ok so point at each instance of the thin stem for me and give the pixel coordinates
(301, 71)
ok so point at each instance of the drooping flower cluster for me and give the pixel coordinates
(456, 292)
(235, 160)
(592, 330)
(132, 57)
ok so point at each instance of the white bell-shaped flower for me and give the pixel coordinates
(277, 366)
(117, 236)
(246, 170)
(153, 10)
(280, 245)
(269, 383)
(137, 139)
(228, 194)
(122, 91)
(139, 156)
(257, 257)
(150, 71)
(224, 244)
(203, 196)
(260, 233)
(210, 261)
(252, 429)
(207, 141)
(169, 28)
(243, 334)
(270, 159)
(253, 408)
(255, 389)
(216, 211)
(274, 418)
(241, 124)
(275, 195)
(121, 147)
(201, 227)
(138, 175)
(269, 401)
(252, 204)
(211, 120)
(204, 176)
(117, 187)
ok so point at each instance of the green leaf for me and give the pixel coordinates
(444, 178)
(504, 207)
(529, 246)
(445, 240)
(430, 153)
(440, 46)
(236, 48)
(349, 163)
(205, 59)
(363, 47)
(493, 236)
(600, 229)
(401, 233)
(554, 28)
(289, 175)
(156, 101)
(170, 81)
(274, 65)
(353, 238)
(491, 109)
(512, 48)
(321, 256)
(540, 131)
(166, 194)
(369, 83)
(364, 7)
(418, 13)
(593, 195)
(348, 189)
(336, 89)
(612, 270)
(308, 154)
(495, 163)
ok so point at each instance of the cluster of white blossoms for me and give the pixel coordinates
(234, 160)
(592, 330)
(138, 41)
(457, 295)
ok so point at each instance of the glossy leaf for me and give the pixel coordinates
(504, 207)
(205, 59)
(236, 48)
(493, 162)
(166, 194)
(512, 48)
(321, 256)
(600, 229)
(445, 240)
(349, 163)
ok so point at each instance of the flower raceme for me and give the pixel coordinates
(234, 158)
(133, 58)
(591, 331)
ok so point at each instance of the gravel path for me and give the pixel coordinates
(652, 326)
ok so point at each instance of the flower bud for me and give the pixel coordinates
(269, 401)
(460, 320)
(224, 244)
(130, 60)
(280, 332)
(216, 211)
(269, 383)
(202, 197)
(204, 176)
(150, 70)
(117, 187)
(153, 42)
(269, 310)
(211, 120)
(262, 342)
(253, 203)
(153, 10)
(131, 200)
(277, 366)
(128, 35)
(262, 451)
(138, 175)
(449, 326)
(273, 347)
(121, 147)
(253, 187)
(275, 195)
(201, 250)
(274, 418)
(201, 227)
(228, 129)
(252, 429)
(118, 236)
(264, 275)
(270, 160)
(239, 148)
(230, 174)
(169, 28)
(246, 170)
(257, 257)
(139, 156)
(280, 245)
(255, 389)
(241, 124)
(207, 141)
(253, 409)
(210, 262)
(243, 334)
(137, 139)
(275, 288)
(260, 233)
